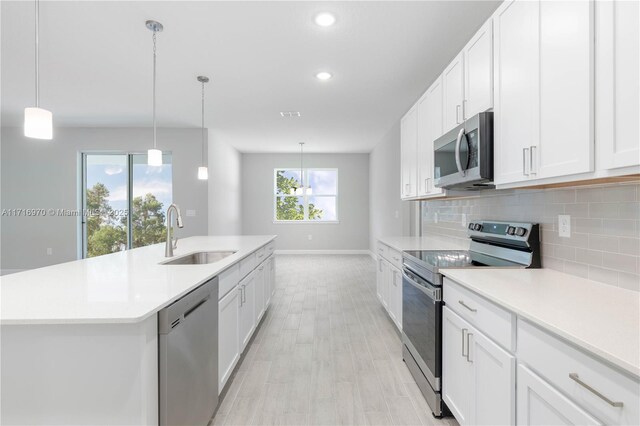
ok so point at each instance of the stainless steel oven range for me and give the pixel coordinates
(493, 244)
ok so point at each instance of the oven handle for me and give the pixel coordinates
(434, 294)
(458, 163)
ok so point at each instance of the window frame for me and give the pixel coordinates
(305, 197)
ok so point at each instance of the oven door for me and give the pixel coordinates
(422, 325)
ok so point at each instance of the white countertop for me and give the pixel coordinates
(123, 287)
(602, 319)
(425, 243)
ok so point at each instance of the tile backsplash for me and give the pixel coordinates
(605, 226)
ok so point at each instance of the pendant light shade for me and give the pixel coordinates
(154, 155)
(38, 122)
(302, 190)
(203, 172)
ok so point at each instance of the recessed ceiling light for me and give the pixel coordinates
(325, 19)
(324, 75)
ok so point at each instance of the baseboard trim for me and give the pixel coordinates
(341, 252)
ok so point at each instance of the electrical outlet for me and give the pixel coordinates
(463, 222)
(191, 213)
(435, 217)
(564, 225)
(310, 237)
(49, 251)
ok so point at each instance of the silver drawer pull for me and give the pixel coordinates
(467, 306)
(469, 335)
(464, 331)
(575, 378)
(396, 259)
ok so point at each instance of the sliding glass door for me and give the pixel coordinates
(114, 185)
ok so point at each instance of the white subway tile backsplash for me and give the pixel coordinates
(605, 220)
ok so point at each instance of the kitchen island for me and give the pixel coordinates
(79, 340)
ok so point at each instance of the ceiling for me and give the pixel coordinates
(262, 57)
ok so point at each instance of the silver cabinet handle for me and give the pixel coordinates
(467, 306)
(457, 114)
(240, 290)
(469, 347)
(464, 331)
(396, 259)
(426, 184)
(524, 161)
(244, 293)
(532, 169)
(575, 378)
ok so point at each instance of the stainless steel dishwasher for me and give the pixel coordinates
(188, 357)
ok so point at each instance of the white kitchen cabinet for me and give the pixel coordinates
(395, 296)
(228, 335)
(429, 129)
(408, 153)
(539, 403)
(247, 317)
(543, 64)
(260, 282)
(453, 93)
(382, 281)
(273, 275)
(478, 72)
(478, 375)
(268, 284)
(617, 83)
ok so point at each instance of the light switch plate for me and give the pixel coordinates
(49, 251)
(564, 225)
(191, 213)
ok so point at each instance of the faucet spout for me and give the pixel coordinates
(170, 245)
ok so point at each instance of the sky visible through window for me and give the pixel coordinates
(324, 189)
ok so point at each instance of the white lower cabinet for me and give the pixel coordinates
(539, 403)
(478, 375)
(382, 281)
(247, 313)
(260, 291)
(389, 286)
(228, 336)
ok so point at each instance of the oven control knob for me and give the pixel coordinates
(520, 232)
(477, 227)
(511, 230)
(471, 226)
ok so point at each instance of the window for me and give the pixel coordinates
(319, 203)
(114, 185)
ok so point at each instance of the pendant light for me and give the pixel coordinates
(302, 189)
(203, 172)
(38, 122)
(154, 155)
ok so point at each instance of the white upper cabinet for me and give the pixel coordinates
(408, 153)
(543, 63)
(478, 72)
(453, 93)
(429, 129)
(617, 83)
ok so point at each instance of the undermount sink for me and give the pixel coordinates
(199, 258)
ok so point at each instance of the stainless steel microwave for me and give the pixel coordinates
(463, 157)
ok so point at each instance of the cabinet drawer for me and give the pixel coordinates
(271, 247)
(261, 255)
(558, 361)
(395, 257)
(247, 265)
(227, 280)
(382, 250)
(495, 322)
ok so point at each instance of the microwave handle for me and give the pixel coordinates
(458, 163)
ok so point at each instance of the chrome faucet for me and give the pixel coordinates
(171, 242)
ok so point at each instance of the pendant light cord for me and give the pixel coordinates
(202, 124)
(301, 171)
(37, 54)
(154, 90)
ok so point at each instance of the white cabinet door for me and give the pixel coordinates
(617, 83)
(478, 72)
(395, 296)
(494, 376)
(457, 371)
(516, 103)
(539, 403)
(260, 291)
(247, 309)
(429, 129)
(453, 93)
(408, 153)
(228, 335)
(566, 65)
(380, 277)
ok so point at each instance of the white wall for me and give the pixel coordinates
(389, 216)
(351, 233)
(225, 216)
(45, 174)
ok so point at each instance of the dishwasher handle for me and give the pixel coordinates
(175, 314)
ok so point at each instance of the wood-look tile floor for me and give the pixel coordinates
(326, 353)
